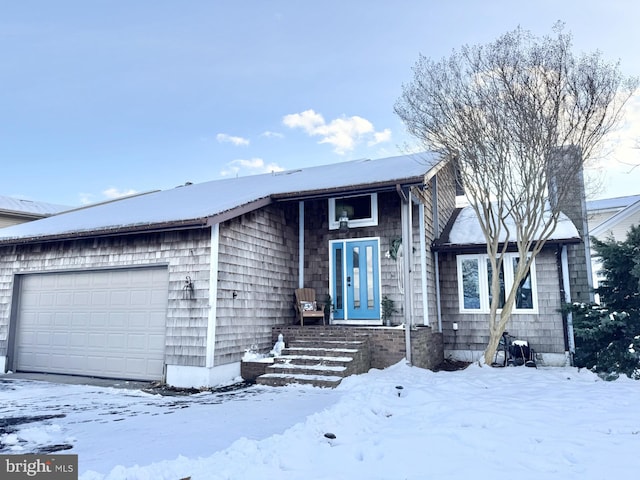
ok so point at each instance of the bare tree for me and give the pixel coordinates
(513, 114)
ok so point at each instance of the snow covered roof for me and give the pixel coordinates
(617, 218)
(617, 203)
(18, 206)
(463, 231)
(219, 200)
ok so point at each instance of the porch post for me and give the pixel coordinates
(405, 214)
(301, 244)
(566, 285)
(423, 265)
(213, 295)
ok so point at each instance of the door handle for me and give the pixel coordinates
(348, 281)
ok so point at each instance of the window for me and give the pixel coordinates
(474, 284)
(362, 210)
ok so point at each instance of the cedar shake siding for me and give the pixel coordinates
(544, 330)
(184, 253)
(257, 276)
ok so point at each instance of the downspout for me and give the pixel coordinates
(567, 298)
(405, 220)
(437, 262)
(301, 244)
(213, 295)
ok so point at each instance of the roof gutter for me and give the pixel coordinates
(347, 191)
(474, 247)
(132, 230)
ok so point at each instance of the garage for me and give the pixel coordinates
(103, 323)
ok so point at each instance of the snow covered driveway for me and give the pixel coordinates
(113, 426)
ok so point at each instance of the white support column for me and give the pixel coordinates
(567, 298)
(301, 244)
(423, 265)
(213, 295)
(406, 247)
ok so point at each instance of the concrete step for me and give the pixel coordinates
(320, 352)
(321, 361)
(307, 369)
(278, 380)
(313, 360)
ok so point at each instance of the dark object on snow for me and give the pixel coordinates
(330, 436)
(399, 388)
(514, 353)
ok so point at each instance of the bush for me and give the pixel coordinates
(607, 343)
(608, 335)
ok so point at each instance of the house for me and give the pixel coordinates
(15, 210)
(177, 285)
(560, 274)
(611, 218)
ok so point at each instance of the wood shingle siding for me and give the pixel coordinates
(257, 276)
(184, 253)
(543, 330)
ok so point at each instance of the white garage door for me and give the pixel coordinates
(104, 323)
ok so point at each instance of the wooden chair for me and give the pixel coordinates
(307, 308)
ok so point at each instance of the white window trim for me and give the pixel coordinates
(361, 222)
(484, 283)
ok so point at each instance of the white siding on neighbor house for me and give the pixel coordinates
(620, 229)
(6, 221)
(106, 323)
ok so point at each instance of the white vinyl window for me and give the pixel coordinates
(474, 284)
(362, 210)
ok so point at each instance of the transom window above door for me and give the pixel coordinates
(362, 210)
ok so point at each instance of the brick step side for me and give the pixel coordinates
(326, 343)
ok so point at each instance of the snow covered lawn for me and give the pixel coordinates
(481, 423)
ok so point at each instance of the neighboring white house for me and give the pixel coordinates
(16, 210)
(611, 218)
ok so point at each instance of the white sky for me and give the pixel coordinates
(105, 98)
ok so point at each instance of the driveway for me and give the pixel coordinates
(102, 421)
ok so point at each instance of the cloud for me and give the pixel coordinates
(237, 141)
(115, 193)
(249, 167)
(86, 198)
(380, 137)
(269, 134)
(343, 133)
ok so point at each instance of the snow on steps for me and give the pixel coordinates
(322, 363)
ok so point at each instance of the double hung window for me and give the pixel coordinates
(474, 284)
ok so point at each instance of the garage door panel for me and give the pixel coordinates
(99, 298)
(98, 323)
(82, 299)
(64, 299)
(96, 340)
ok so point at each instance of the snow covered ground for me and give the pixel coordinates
(481, 423)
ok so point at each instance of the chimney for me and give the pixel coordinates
(567, 194)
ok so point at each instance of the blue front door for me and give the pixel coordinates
(356, 279)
